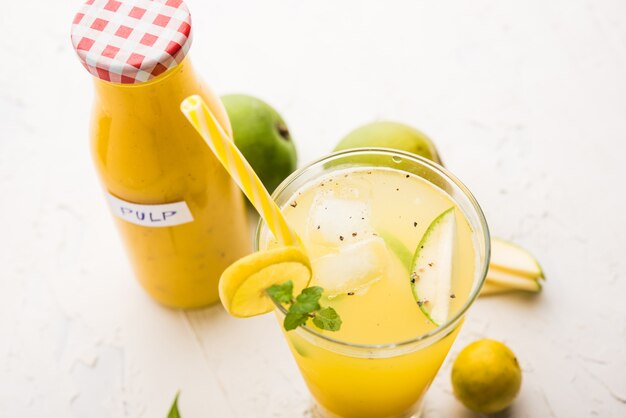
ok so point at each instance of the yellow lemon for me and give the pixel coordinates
(486, 376)
(243, 284)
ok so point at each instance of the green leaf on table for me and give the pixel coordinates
(174, 409)
(281, 293)
(328, 319)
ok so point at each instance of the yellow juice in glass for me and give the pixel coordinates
(360, 225)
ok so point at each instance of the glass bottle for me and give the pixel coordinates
(180, 216)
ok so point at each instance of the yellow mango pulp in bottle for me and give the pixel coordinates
(147, 153)
(352, 206)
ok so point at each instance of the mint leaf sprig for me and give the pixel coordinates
(306, 305)
(174, 409)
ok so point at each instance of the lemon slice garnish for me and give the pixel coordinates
(243, 284)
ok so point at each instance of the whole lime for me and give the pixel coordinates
(390, 135)
(486, 376)
(263, 137)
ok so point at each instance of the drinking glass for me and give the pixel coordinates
(350, 380)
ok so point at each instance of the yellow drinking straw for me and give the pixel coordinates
(222, 145)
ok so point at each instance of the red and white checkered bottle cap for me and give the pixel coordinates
(131, 41)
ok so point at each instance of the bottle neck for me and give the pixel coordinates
(165, 90)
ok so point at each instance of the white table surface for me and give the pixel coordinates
(526, 101)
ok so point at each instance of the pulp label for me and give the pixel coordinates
(168, 214)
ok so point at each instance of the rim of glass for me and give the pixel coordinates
(446, 174)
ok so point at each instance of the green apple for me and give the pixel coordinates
(514, 259)
(512, 281)
(490, 289)
(262, 136)
(431, 274)
(511, 268)
(392, 135)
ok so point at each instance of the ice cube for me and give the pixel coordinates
(335, 221)
(353, 268)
